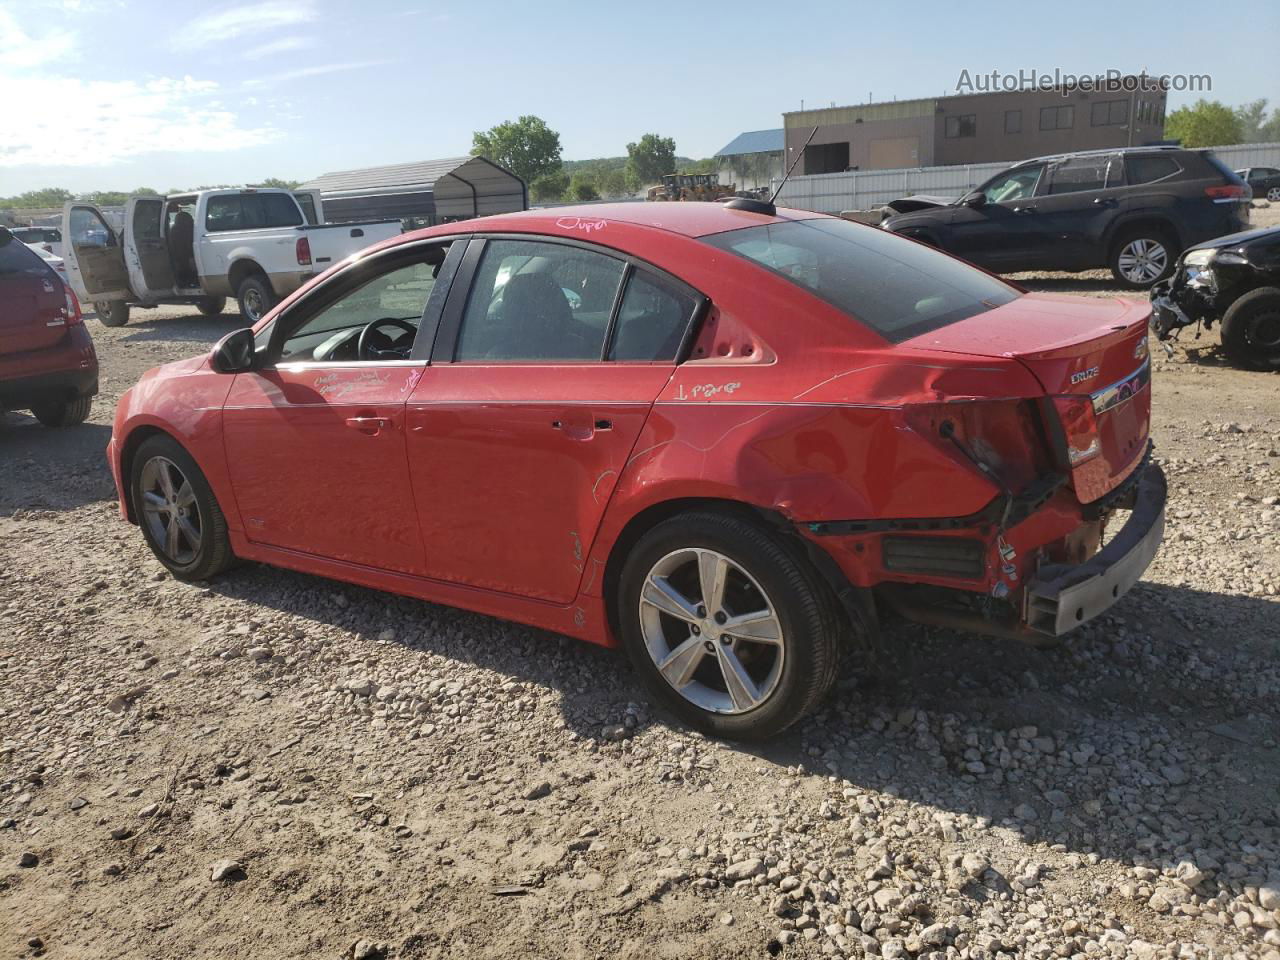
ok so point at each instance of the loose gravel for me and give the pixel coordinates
(280, 765)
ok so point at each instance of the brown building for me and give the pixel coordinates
(973, 128)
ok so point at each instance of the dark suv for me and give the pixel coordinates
(1133, 210)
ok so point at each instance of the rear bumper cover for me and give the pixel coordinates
(1060, 598)
(18, 393)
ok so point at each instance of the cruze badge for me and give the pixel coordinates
(1084, 375)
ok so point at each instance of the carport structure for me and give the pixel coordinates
(457, 188)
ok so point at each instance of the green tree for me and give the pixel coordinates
(708, 165)
(1255, 125)
(582, 186)
(649, 159)
(48, 197)
(1208, 123)
(613, 183)
(527, 147)
(278, 183)
(549, 186)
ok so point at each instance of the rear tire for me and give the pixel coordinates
(177, 511)
(112, 313)
(256, 298)
(1251, 330)
(1142, 256)
(774, 593)
(63, 413)
(211, 306)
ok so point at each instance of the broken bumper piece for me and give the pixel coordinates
(1060, 598)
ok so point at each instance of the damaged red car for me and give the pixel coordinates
(727, 437)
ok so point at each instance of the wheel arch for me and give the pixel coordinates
(128, 450)
(241, 270)
(656, 513)
(1152, 221)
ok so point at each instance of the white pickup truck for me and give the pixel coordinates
(255, 244)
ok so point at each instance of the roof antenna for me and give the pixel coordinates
(751, 205)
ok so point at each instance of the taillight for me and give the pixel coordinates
(303, 250)
(71, 310)
(1075, 412)
(1226, 191)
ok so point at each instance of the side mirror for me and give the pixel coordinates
(975, 200)
(234, 352)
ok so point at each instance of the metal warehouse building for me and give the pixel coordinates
(752, 159)
(973, 128)
(430, 191)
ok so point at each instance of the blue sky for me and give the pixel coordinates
(115, 94)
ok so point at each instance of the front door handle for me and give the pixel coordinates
(1024, 209)
(371, 426)
(1104, 201)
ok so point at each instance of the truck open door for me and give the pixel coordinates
(146, 252)
(93, 254)
(311, 204)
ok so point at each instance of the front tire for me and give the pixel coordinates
(1251, 330)
(211, 306)
(63, 413)
(731, 629)
(177, 511)
(112, 313)
(1141, 257)
(256, 298)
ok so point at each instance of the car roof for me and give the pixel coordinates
(692, 218)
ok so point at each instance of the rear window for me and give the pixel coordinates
(251, 211)
(1230, 175)
(15, 258)
(898, 288)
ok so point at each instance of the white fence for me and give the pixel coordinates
(863, 189)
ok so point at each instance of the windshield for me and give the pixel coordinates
(895, 286)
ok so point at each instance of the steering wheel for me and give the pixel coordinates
(365, 349)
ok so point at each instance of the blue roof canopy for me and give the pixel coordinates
(754, 141)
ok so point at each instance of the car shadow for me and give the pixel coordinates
(52, 469)
(1123, 742)
(194, 328)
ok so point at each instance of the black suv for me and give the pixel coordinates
(1133, 210)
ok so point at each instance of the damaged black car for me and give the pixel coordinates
(1233, 281)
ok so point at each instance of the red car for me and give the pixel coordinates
(47, 361)
(725, 437)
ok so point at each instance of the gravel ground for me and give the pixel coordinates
(281, 765)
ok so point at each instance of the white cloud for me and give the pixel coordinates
(65, 121)
(275, 47)
(316, 71)
(22, 50)
(253, 19)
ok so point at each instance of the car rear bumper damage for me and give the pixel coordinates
(1060, 598)
(1030, 570)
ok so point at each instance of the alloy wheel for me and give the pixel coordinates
(170, 511)
(1273, 195)
(711, 631)
(1143, 261)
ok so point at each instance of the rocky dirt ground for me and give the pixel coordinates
(278, 765)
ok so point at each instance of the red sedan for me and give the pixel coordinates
(724, 437)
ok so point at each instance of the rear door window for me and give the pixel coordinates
(16, 259)
(1079, 174)
(251, 211)
(898, 288)
(652, 319)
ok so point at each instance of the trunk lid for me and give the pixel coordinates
(31, 300)
(1075, 347)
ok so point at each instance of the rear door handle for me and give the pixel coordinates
(1024, 209)
(1104, 201)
